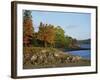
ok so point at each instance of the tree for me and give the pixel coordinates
(71, 42)
(46, 34)
(27, 27)
(60, 37)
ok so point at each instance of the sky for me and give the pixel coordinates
(76, 25)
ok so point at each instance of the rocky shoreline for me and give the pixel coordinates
(37, 57)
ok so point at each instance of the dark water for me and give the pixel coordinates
(83, 53)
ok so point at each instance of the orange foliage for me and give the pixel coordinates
(27, 31)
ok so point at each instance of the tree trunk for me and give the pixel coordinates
(45, 44)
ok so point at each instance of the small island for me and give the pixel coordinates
(50, 47)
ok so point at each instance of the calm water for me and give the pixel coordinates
(85, 45)
(83, 53)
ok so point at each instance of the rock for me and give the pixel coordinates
(44, 51)
(33, 58)
(27, 58)
(41, 57)
(77, 58)
(73, 58)
(56, 55)
(69, 59)
(66, 61)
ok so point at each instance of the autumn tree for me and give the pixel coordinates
(27, 27)
(46, 34)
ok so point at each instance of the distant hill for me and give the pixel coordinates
(86, 41)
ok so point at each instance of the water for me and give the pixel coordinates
(85, 46)
(83, 53)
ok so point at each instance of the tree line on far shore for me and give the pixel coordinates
(48, 35)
